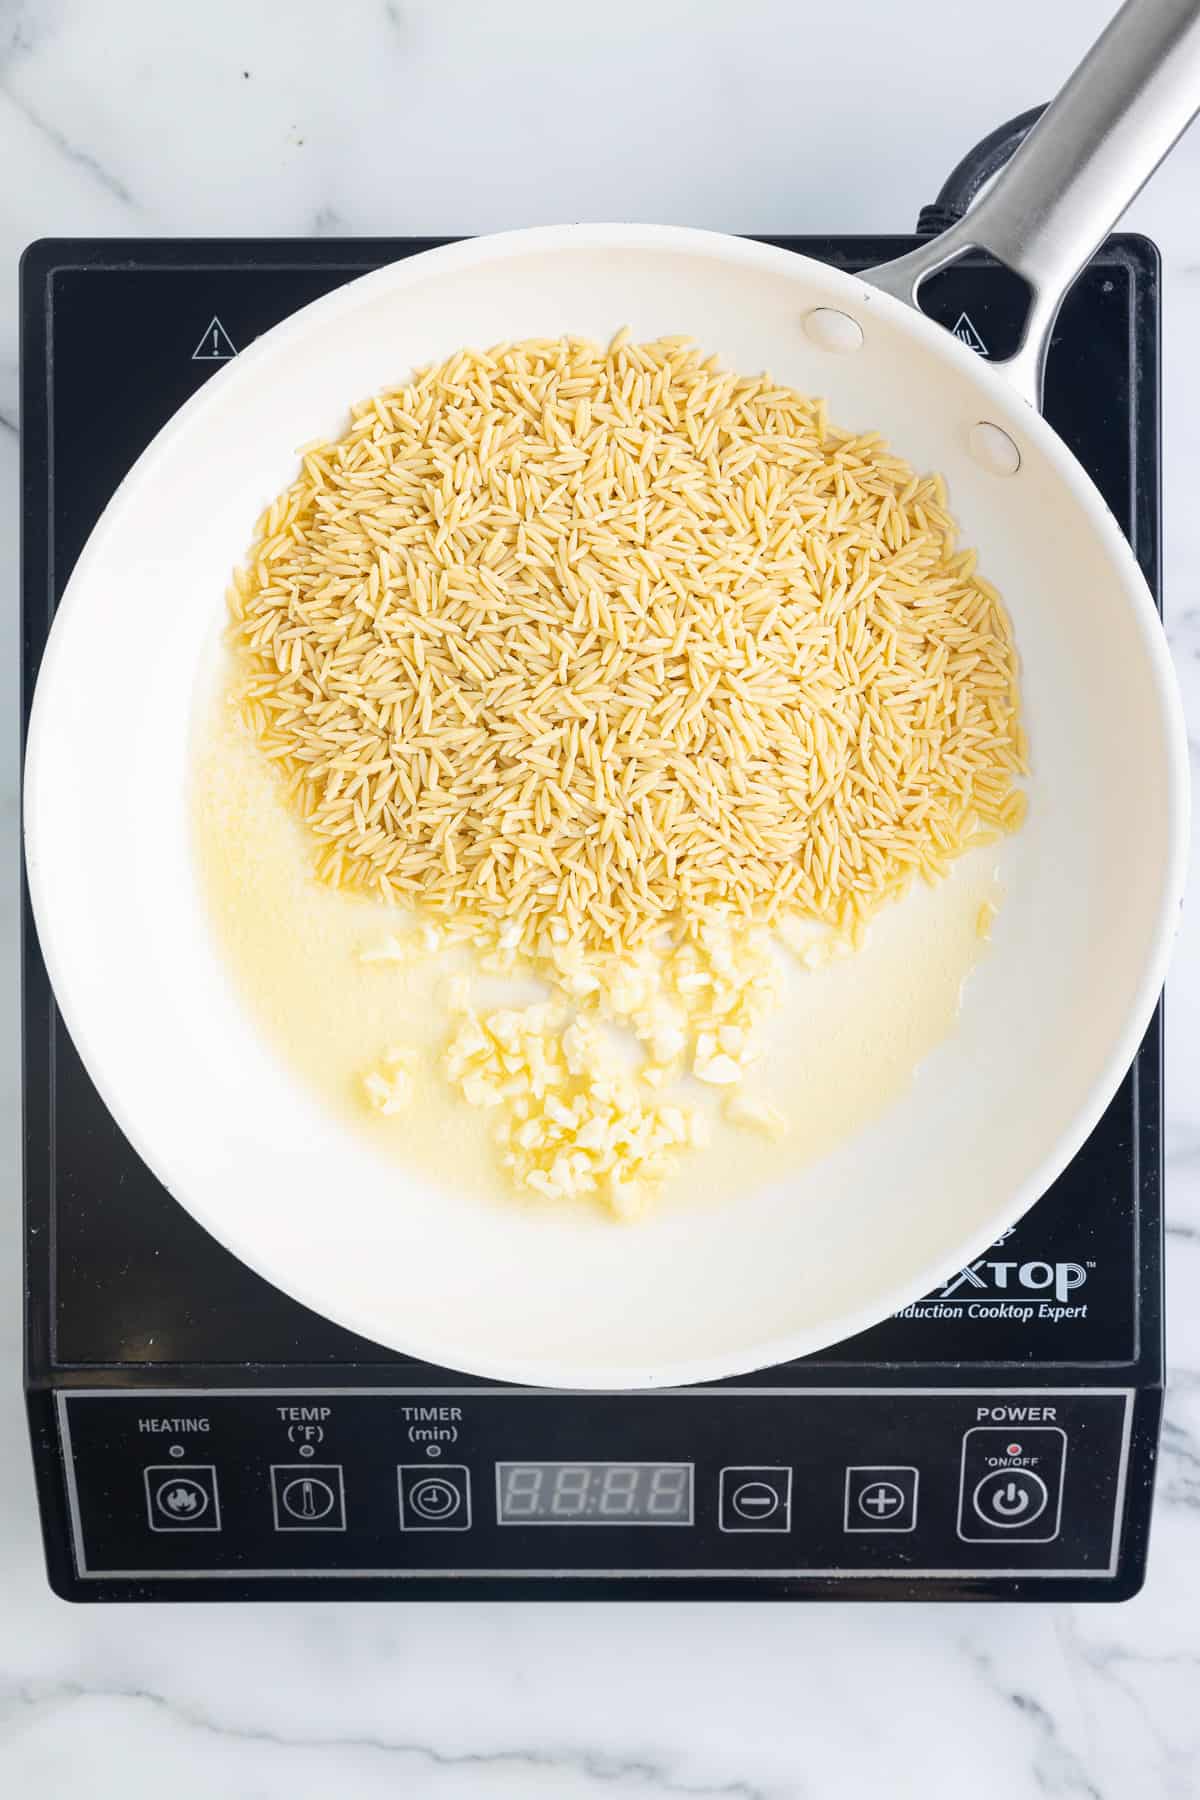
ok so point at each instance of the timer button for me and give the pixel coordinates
(756, 1499)
(434, 1499)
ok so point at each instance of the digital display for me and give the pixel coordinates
(594, 1493)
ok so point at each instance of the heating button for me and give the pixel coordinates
(1011, 1484)
(182, 1497)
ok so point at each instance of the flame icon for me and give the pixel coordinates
(180, 1497)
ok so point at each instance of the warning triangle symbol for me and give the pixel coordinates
(966, 334)
(216, 345)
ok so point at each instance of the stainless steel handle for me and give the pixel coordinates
(1128, 102)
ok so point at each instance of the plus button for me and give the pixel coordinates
(881, 1499)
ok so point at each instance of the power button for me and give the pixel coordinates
(1011, 1485)
(1010, 1498)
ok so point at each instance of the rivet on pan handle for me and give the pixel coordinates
(1128, 102)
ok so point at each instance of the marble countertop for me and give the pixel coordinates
(128, 117)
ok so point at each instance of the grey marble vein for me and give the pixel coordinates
(1121, 1670)
(1054, 1767)
(610, 1771)
(73, 153)
(1179, 1466)
(23, 25)
(327, 221)
(398, 15)
(1057, 1769)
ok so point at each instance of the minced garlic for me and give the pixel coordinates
(984, 919)
(572, 1122)
(389, 1088)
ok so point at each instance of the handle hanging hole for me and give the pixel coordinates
(993, 449)
(834, 330)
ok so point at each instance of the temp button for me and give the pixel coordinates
(308, 1497)
(1011, 1484)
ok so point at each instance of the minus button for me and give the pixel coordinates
(756, 1499)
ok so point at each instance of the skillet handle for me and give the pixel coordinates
(1128, 102)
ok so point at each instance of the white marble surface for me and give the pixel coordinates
(243, 116)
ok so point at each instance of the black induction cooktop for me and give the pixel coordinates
(199, 1435)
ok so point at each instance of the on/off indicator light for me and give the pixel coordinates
(1012, 1449)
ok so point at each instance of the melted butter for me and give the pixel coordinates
(845, 1044)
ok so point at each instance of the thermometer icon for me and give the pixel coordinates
(307, 1499)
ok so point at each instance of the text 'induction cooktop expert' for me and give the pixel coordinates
(198, 1435)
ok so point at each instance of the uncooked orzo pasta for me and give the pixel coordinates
(614, 637)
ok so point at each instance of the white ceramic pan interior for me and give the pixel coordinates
(1052, 1017)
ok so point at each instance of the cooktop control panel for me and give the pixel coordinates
(408, 1483)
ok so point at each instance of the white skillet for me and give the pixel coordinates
(1052, 1018)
